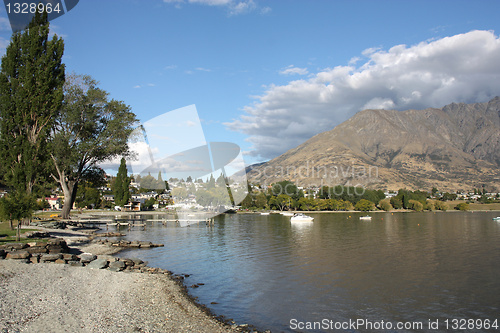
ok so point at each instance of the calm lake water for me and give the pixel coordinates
(278, 275)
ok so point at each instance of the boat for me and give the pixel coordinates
(367, 217)
(496, 218)
(301, 218)
(264, 213)
(287, 213)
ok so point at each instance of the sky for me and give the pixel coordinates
(268, 75)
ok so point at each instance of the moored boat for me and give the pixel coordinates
(301, 218)
(367, 217)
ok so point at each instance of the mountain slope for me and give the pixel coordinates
(455, 147)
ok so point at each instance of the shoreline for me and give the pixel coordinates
(33, 300)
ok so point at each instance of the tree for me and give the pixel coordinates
(121, 185)
(31, 80)
(364, 205)
(385, 205)
(90, 129)
(462, 206)
(416, 205)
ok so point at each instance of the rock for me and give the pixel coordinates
(98, 264)
(36, 249)
(128, 262)
(37, 234)
(14, 246)
(134, 244)
(75, 263)
(50, 257)
(117, 266)
(70, 256)
(145, 244)
(87, 257)
(138, 262)
(60, 261)
(20, 254)
(35, 258)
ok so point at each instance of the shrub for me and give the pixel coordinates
(440, 205)
(462, 206)
(385, 205)
(415, 205)
(364, 205)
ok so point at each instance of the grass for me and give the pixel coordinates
(475, 206)
(7, 235)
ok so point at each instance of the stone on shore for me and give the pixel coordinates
(50, 257)
(19, 254)
(99, 263)
(117, 266)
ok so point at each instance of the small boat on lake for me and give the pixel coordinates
(496, 218)
(287, 213)
(367, 217)
(264, 213)
(301, 218)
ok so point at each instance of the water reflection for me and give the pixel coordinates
(266, 270)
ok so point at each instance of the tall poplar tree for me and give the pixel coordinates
(31, 81)
(121, 185)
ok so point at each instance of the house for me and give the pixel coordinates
(54, 202)
(132, 206)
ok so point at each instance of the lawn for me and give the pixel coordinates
(8, 236)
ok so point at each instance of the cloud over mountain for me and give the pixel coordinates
(460, 68)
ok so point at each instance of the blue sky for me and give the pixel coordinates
(268, 75)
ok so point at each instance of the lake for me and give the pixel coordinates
(422, 271)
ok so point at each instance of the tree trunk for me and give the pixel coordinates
(69, 189)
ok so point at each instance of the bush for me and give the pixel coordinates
(415, 205)
(440, 205)
(462, 206)
(385, 205)
(364, 205)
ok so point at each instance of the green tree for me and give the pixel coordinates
(415, 205)
(440, 205)
(121, 185)
(385, 205)
(260, 200)
(364, 205)
(31, 80)
(90, 129)
(462, 206)
(288, 188)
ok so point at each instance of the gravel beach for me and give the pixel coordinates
(50, 297)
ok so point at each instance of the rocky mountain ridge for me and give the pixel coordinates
(456, 147)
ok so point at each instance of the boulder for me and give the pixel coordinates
(18, 254)
(36, 249)
(75, 263)
(70, 256)
(14, 246)
(98, 264)
(117, 266)
(50, 257)
(87, 257)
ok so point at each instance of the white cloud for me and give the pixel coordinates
(234, 7)
(292, 70)
(460, 68)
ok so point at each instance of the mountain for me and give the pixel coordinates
(453, 148)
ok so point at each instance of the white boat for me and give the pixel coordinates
(496, 218)
(264, 213)
(301, 218)
(367, 217)
(287, 213)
